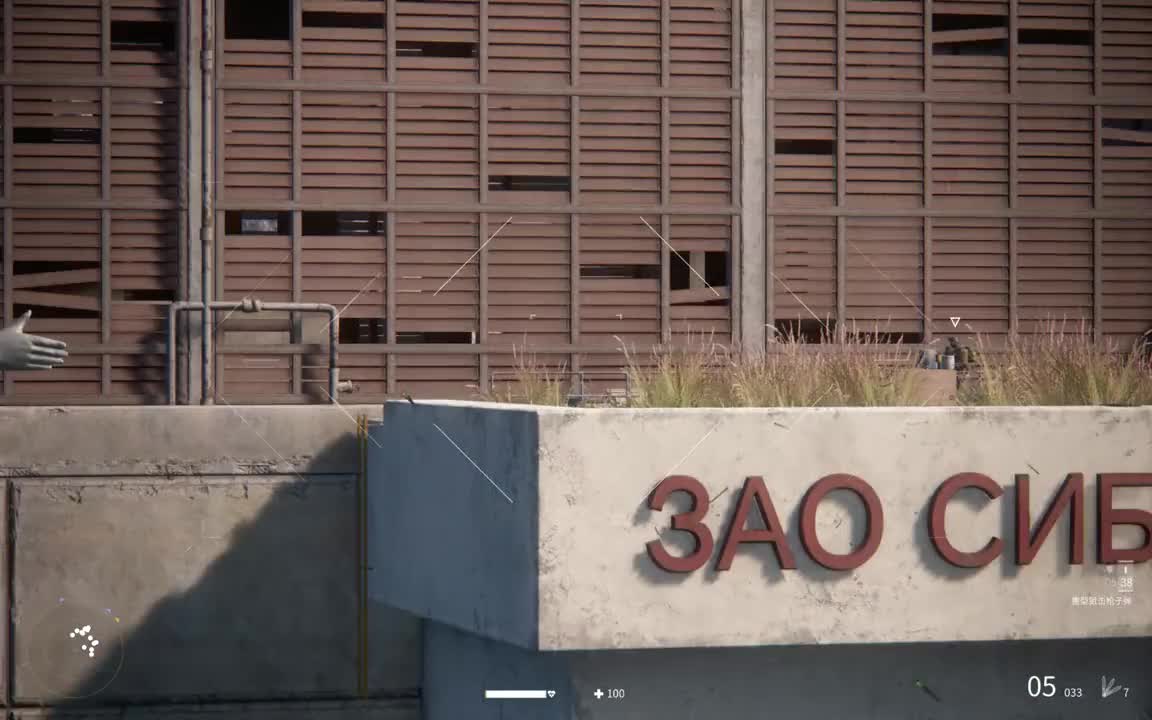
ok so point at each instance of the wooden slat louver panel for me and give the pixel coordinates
(701, 40)
(343, 40)
(59, 39)
(1055, 272)
(49, 242)
(436, 41)
(1055, 46)
(619, 280)
(529, 154)
(56, 142)
(701, 151)
(529, 289)
(701, 270)
(257, 139)
(970, 156)
(144, 38)
(260, 47)
(885, 275)
(145, 143)
(805, 45)
(437, 154)
(1127, 276)
(344, 140)
(970, 46)
(430, 249)
(529, 42)
(454, 377)
(620, 43)
(145, 277)
(970, 277)
(1056, 145)
(885, 46)
(255, 264)
(884, 154)
(344, 263)
(620, 151)
(805, 274)
(1126, 136)
(805, 167)
(1126, 35)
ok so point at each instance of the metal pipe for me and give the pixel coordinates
(251, 305)
(207, 175)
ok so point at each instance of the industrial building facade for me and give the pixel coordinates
(466, 179)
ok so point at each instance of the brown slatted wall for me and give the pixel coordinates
(701, 151)
(884, 147)
(529, 280)
(1126, 156)
(969, 47)
(1126, 34)
(1055, 261)
(970, 267)
(344, 147)
(805, 269)
(701, 43)
(885, 46)
(970, 156)
(529, 42)
(437, 156)
(529, 137)
(436, 283)
(1057, 142)
(100, 131)
(432, 40)
(1127, 276)
(700, 305)
(805, 45)
(343, 40)
(884, 275)
(804, 133)
(1059, 61)
(620, 150)
(620, 43)
(257, 140)
(624, 303)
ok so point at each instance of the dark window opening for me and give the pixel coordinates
(624, 272)
(140, 35)
(805, 330)
(1140, 125)
(805, 147)
(409, 48)
(439, 338)
(541, 183)
(888, 338)
(363, 331)
(1044, 36)
(342, 20)
(31, 267)
(264, 20)
(679, 274)
(986, 48)
(164, 296)
(79, 136)
(716, 269)
(324, 222)
(254, 222)
(944, 22)
(44, 312)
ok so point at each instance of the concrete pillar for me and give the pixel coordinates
(753, 286)
(189, 358)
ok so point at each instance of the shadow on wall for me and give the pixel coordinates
(273, 617)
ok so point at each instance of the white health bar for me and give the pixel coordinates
(515, 694)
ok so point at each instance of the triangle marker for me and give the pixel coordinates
(955, 321)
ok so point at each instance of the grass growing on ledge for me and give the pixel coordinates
(1061, 366)
(1058, 366)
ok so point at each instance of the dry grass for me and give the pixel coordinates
(1061, 365)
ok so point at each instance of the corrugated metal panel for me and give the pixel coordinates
(884, 148)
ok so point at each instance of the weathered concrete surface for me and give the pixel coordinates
(958, 681)
(224, 541)
(465, 521)
(598, 589)
(754, 238)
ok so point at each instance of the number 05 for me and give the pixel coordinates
(1042, 688)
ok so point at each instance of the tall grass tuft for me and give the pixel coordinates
(1060, 365)
(532, 382)
(680, 375)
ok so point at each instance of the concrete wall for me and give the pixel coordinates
(598, 588)
(213, 551)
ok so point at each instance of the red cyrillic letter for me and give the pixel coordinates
(689, 522)
(939, 534)
(773, 531)
(873, 523)
(1109, 516)
(1028, 542)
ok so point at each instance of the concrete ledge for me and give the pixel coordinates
(569, 565)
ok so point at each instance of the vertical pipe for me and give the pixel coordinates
(208, 194)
